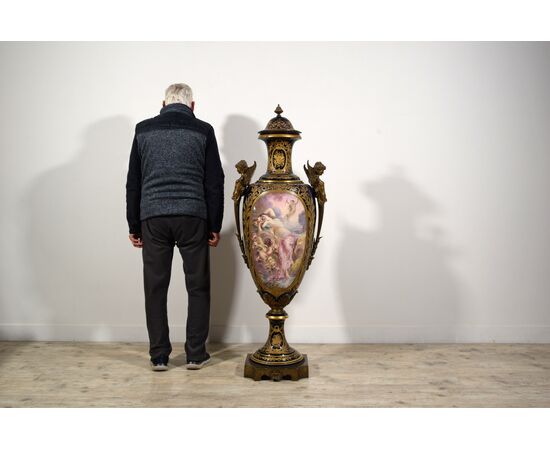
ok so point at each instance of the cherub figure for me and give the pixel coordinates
(244, 180)
(265, 252)
(313, 174)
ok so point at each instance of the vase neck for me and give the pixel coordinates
(279, 160)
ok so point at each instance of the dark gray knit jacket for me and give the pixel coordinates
(174, 169)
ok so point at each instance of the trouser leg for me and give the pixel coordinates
(192, 242)
(158, 248)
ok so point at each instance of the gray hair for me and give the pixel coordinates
(178, 93)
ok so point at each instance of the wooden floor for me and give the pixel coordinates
(71, 374)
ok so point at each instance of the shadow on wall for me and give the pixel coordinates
(239, 142)
(396, 282)
(82, 266)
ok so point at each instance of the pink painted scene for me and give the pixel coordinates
(278, 237)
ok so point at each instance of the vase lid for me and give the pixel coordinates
(279, 125)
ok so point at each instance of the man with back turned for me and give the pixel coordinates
(174, 197)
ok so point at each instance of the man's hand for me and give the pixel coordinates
(213, 239)
(136, 241)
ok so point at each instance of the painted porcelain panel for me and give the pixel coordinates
(278, 234)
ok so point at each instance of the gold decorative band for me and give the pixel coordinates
(276, 317)
(274, 136)
(276, 363)
(295, 181)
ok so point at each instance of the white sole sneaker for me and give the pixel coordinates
(197, 366)
(159, 367)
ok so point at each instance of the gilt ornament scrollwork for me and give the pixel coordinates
(279, 159)
(277, 302)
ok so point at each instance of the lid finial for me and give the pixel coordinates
(278, 110)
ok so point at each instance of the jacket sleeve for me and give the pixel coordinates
(133, 190)
(213, 184)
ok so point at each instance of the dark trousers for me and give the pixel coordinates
(190, 235)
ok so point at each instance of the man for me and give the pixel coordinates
(174, 197)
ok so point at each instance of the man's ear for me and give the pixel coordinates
(163, 103)
(192, 106)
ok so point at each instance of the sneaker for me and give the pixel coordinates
(196, 365)
(159, 364)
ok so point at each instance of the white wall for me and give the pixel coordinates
(437, 224)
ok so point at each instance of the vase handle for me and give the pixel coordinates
(241, 187)
(313, 174)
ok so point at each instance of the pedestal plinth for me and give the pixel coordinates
(276, 373)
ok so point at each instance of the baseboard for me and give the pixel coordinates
(304, 334)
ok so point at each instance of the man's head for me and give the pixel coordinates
(179, 93)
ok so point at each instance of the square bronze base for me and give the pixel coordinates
(260, 372)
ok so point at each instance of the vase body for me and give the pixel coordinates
(278, 239)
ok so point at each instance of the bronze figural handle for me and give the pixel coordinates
(313, 174)
(241, 185)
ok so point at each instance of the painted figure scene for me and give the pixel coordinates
(278, 236)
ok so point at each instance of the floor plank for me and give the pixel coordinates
(77, 374)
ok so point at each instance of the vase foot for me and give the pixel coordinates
(260, 372)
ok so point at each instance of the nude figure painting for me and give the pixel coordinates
(278, 237)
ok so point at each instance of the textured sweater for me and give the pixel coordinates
(174, 169)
